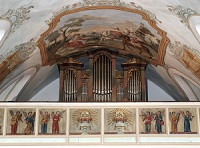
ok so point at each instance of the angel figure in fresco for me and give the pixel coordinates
(159, 121)
(187, 118)
(174, 118)
(30, 119)
(45, 117)
(147, 119)
(15, 119)
(85, 119)
(56, 117)
(120, 118)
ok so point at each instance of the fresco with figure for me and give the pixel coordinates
(85, 121)
(127, 32)
(183, 121)
(1, 120)
(52, 122)
(20, 121)
(152, 121)
(120, 121)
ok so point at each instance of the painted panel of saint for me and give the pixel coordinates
(152, 121)
(119, 121)
(1, 120)
(20, 121)
(85, 121)
(182, 121)
(52, 122)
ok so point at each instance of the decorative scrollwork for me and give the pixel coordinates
(88, 3)
(183, 13)
(84, 77)
(130, 72)
(17, 16)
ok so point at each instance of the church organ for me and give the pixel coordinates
(102, 81)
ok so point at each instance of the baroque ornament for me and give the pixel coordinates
(187, 56)
(17, 16)
(26, 49)
(15, 58)
(183, 13)
(70, 60)
(88, 3)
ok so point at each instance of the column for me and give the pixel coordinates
(61, 90)
(143, 80)
(114, 85)
(90, 83)
(79, 86)
(125, 92)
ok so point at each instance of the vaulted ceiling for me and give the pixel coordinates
(35, 35)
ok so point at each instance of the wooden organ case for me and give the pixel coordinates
(102, 82)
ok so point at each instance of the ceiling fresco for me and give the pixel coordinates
(126, 32)
(161, 33)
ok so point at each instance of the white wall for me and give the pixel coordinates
(155, 93)
(48, 93)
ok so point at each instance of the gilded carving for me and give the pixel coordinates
(70, 60)
(130, 72)
(119, 77)
(84, 77)
(134, 61)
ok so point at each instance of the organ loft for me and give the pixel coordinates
(101, 75)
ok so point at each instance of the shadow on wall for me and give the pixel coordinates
(155, 93)
(152, 75)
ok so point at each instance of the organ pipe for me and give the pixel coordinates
(102, 78)
(134, 85)
(70, 86)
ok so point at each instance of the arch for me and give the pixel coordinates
(182, 81)
(12, 89)
(186, 87)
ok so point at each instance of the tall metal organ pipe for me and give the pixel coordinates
(134, 86)
(102, 78)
